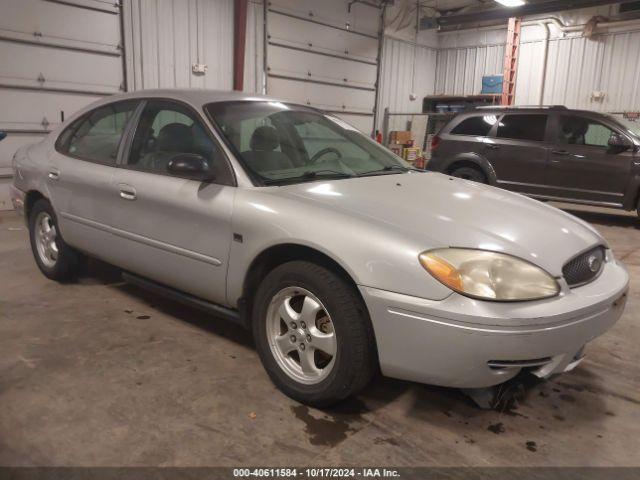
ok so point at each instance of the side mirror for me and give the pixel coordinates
(619, 142)
(3, 135)
(191, 166)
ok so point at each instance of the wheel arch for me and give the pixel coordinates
(276, 255)
(32, 196)
(475, 161)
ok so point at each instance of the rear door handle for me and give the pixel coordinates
(493, 146)
(127, 192)
(560, 152)
(54, 174)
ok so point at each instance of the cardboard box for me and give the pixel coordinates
(395, 148)
(400, 136)
(410, 154)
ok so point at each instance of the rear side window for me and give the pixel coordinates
(96, 135)
(523, 127)
(475, 126)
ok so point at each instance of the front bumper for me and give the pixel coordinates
(467, 343)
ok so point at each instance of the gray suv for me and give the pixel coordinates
(550, 153)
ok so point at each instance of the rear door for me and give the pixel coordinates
(174, 230)
(79, 175)
(517, 149)
(582, 166)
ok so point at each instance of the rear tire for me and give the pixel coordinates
(55, 259)
(313, 334)
(469, 173)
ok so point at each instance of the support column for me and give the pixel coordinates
(239, 40)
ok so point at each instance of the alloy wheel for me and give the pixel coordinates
(301, 335)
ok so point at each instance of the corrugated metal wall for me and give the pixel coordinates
(460, 70)
(464, 58)
(406, 68)
(164, 38)
(578, 66)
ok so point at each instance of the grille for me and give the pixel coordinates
(584, 268)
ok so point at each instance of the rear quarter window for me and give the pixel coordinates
(475, 126)
(96, 136)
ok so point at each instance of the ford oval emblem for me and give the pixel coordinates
(594, 263)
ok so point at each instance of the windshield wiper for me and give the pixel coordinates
(325, 172)
(310, 175)
(388, 168)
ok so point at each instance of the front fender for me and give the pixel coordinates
(372, 255)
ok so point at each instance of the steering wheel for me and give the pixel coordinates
(323, 152)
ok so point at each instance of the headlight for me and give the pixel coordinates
(488, 275)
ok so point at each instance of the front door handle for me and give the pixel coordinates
(493, 146)
(127, 192)
(54, 174)
(560, 152)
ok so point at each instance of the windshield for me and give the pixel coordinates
(631, 127)
(282, 143)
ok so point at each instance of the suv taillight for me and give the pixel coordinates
(435, 143)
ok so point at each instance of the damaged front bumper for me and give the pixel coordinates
(468, 343)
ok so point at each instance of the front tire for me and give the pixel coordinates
(55, 259)
(469, 173)
(313, 334)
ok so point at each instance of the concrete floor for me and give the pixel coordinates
(102, 373)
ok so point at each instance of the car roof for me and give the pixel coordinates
(197, 96)
(528, 109)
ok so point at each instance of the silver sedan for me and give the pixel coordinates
(341, 259)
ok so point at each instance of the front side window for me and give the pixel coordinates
(96, 136)
(475, 126)
(282, 143)
(530, 127)
(583, 131)
(166, 130)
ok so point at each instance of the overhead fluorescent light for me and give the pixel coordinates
(511, 3)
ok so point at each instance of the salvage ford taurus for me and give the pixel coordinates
(340, 257)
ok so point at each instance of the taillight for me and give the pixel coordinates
(435, 143)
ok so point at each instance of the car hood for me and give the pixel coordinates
(436, 210)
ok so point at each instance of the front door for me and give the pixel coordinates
(173, 230)
(582, 166)
(517, 150)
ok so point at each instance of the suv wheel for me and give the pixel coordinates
(313, 334)
(469, 173)
(55, 259)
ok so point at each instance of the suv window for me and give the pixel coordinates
(583, 131)
(475, 126)
(166, 129)
(523, 127)
(96, 136)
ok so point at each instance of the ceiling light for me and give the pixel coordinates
(511, 3)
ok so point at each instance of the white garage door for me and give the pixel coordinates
(56, 56)
(322, 55)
